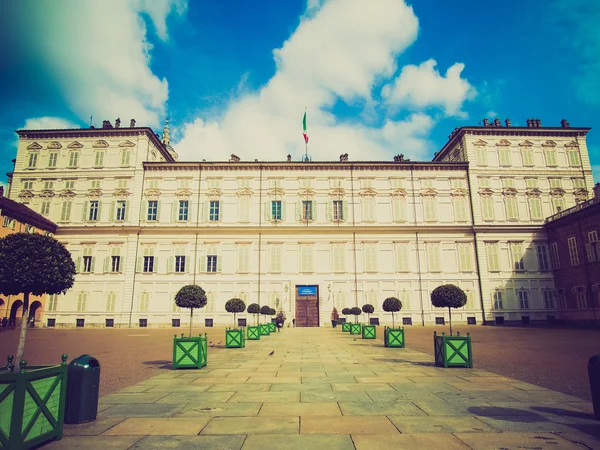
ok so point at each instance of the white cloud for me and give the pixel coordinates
(422, 86)
(340, 52)
(47, 123)
(98, 54)
(491, 114)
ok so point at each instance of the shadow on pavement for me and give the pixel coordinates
(162, 363)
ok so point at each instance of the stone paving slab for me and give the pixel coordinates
(322, 389)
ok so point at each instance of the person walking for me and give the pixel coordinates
(4, 323)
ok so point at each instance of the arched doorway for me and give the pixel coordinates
(14, 309)
(34, 314)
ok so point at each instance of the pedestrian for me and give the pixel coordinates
(4, 324)
(294, 322)
(279, 325)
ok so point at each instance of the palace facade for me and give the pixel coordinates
(140, 225)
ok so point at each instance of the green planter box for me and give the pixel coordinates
(32, 405)
(394, 337)
(346, 326)
(253, 333)
(265, 329)
(355, 328)
(272, 327)
(452, 351)
(190, 352)
(234, 338)
(369, 332)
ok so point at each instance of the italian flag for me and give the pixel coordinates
(304, 127)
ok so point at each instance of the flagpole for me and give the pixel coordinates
(305, 141)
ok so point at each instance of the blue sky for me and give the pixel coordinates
(377, 78)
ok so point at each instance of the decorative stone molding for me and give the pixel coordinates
(276, 192)
(480, 143)
(533, 193)
(214, 193)
(126, 144)
(100, 144)
(399, 192)
(34, 146)
(183, 193)
(557, 192)
(509, 192)
(503, 143)
(94, 193)
(307, 193)
(152, 193)
(459, 192)
(121, 194)
(526, 143)
(572, 145)
(244, 192)
(549, 144)
(47, 193)
(26, 194)
(429, 192)
(367, 192)
(54, 145)
(486, 192)
(581, 194)
(74, 145)
(67, 193)
(337, 192)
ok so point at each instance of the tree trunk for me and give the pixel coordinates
(21, 347)
(450, 314)
(191, 318)
(233, 320)
(392, 319)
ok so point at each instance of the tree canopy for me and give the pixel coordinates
(355, 311)
(191, 296)
(392, 304)
(34, 264)
(368, 309)
(448, 296)
(265, 310)
(235, 305)
(272, 312)
(346, 311)
(254, 308)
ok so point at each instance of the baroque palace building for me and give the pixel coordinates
(302, 236)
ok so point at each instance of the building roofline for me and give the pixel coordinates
(26, 215)
(458, 133)
(97, 132)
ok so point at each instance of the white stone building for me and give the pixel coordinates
(141, 225)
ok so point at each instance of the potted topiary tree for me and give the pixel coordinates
(346, 324)
(234, 337)
(369, 331)
(355, 328)
(265, 329)
(451, 351)
(334, 317)
(253, 332)
(393, 337)
(32, 264)
(192, 351)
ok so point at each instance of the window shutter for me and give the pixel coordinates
(329, 210)
(299, 210)
(345, 211)
(93, 264)
(84, 214)
(106, 266)
(111, 213)
(314, 210)
(203, 212)
(590, 254)
(155, 267)
(170, 264)
(283, 211)
(174, 212)
(158, 210)
(140, 264)
(145, 210)
(78, 264)
(99, 217)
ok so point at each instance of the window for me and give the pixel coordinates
(93, 212)
(464, 257)
(573, 254)
(460, 208)
(458, 183)
(95, 184)
(87, 264)
(433, 256)
(180, 264)
(573, 155)
(276, 258)
(535, 208)
(148, 264)
(592, 247)
(244, 208)
(508, 182)
(125, 156)
(79, 323)
(213, 210)
(555, 183)
(542, 257)
(53, 303)
(338, 210)
(144, 301)
(307, 210)
(555, 256)
(122, 183)
(523, 297)
(115, 263)
(527, 154)
(52, 158)
(65, 214)
(32, 160)
(184, 183)
(498, 300)
(152, 209)
(562, 299)
(427, 183)
(492, 256)
(512, 212)
(45, 209)
(484, 182)
(276, 209)
(111, 299)
(121, 208)
(481, 155)
(548, 297)
(9, 222)
(70, 184)
(402, 255)
(29, 229)
(369, 209)
(578, 183)
(558, 203)
(183, 210)
(48, 185)
(370, 257)
(339, 259)
(306, 258)
(531, 183)
(211, 263)
(28, 185)
(430, 208)
(243, 257)
(550, 154)
(396, 183)
(73, 159)
(487, 207)
(581, 297)
(82, 302)
(504, 155)
(517, 254)
(399, 209)
(99, 160)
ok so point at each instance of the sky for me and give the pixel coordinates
(376, 78)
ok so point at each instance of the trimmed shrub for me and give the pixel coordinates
(448, 296)
(392, 304)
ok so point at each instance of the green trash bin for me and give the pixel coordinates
(83, 386)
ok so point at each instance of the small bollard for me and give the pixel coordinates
(594, 374)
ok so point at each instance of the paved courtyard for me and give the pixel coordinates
(325, 389)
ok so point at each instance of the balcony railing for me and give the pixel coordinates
(573, 209)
